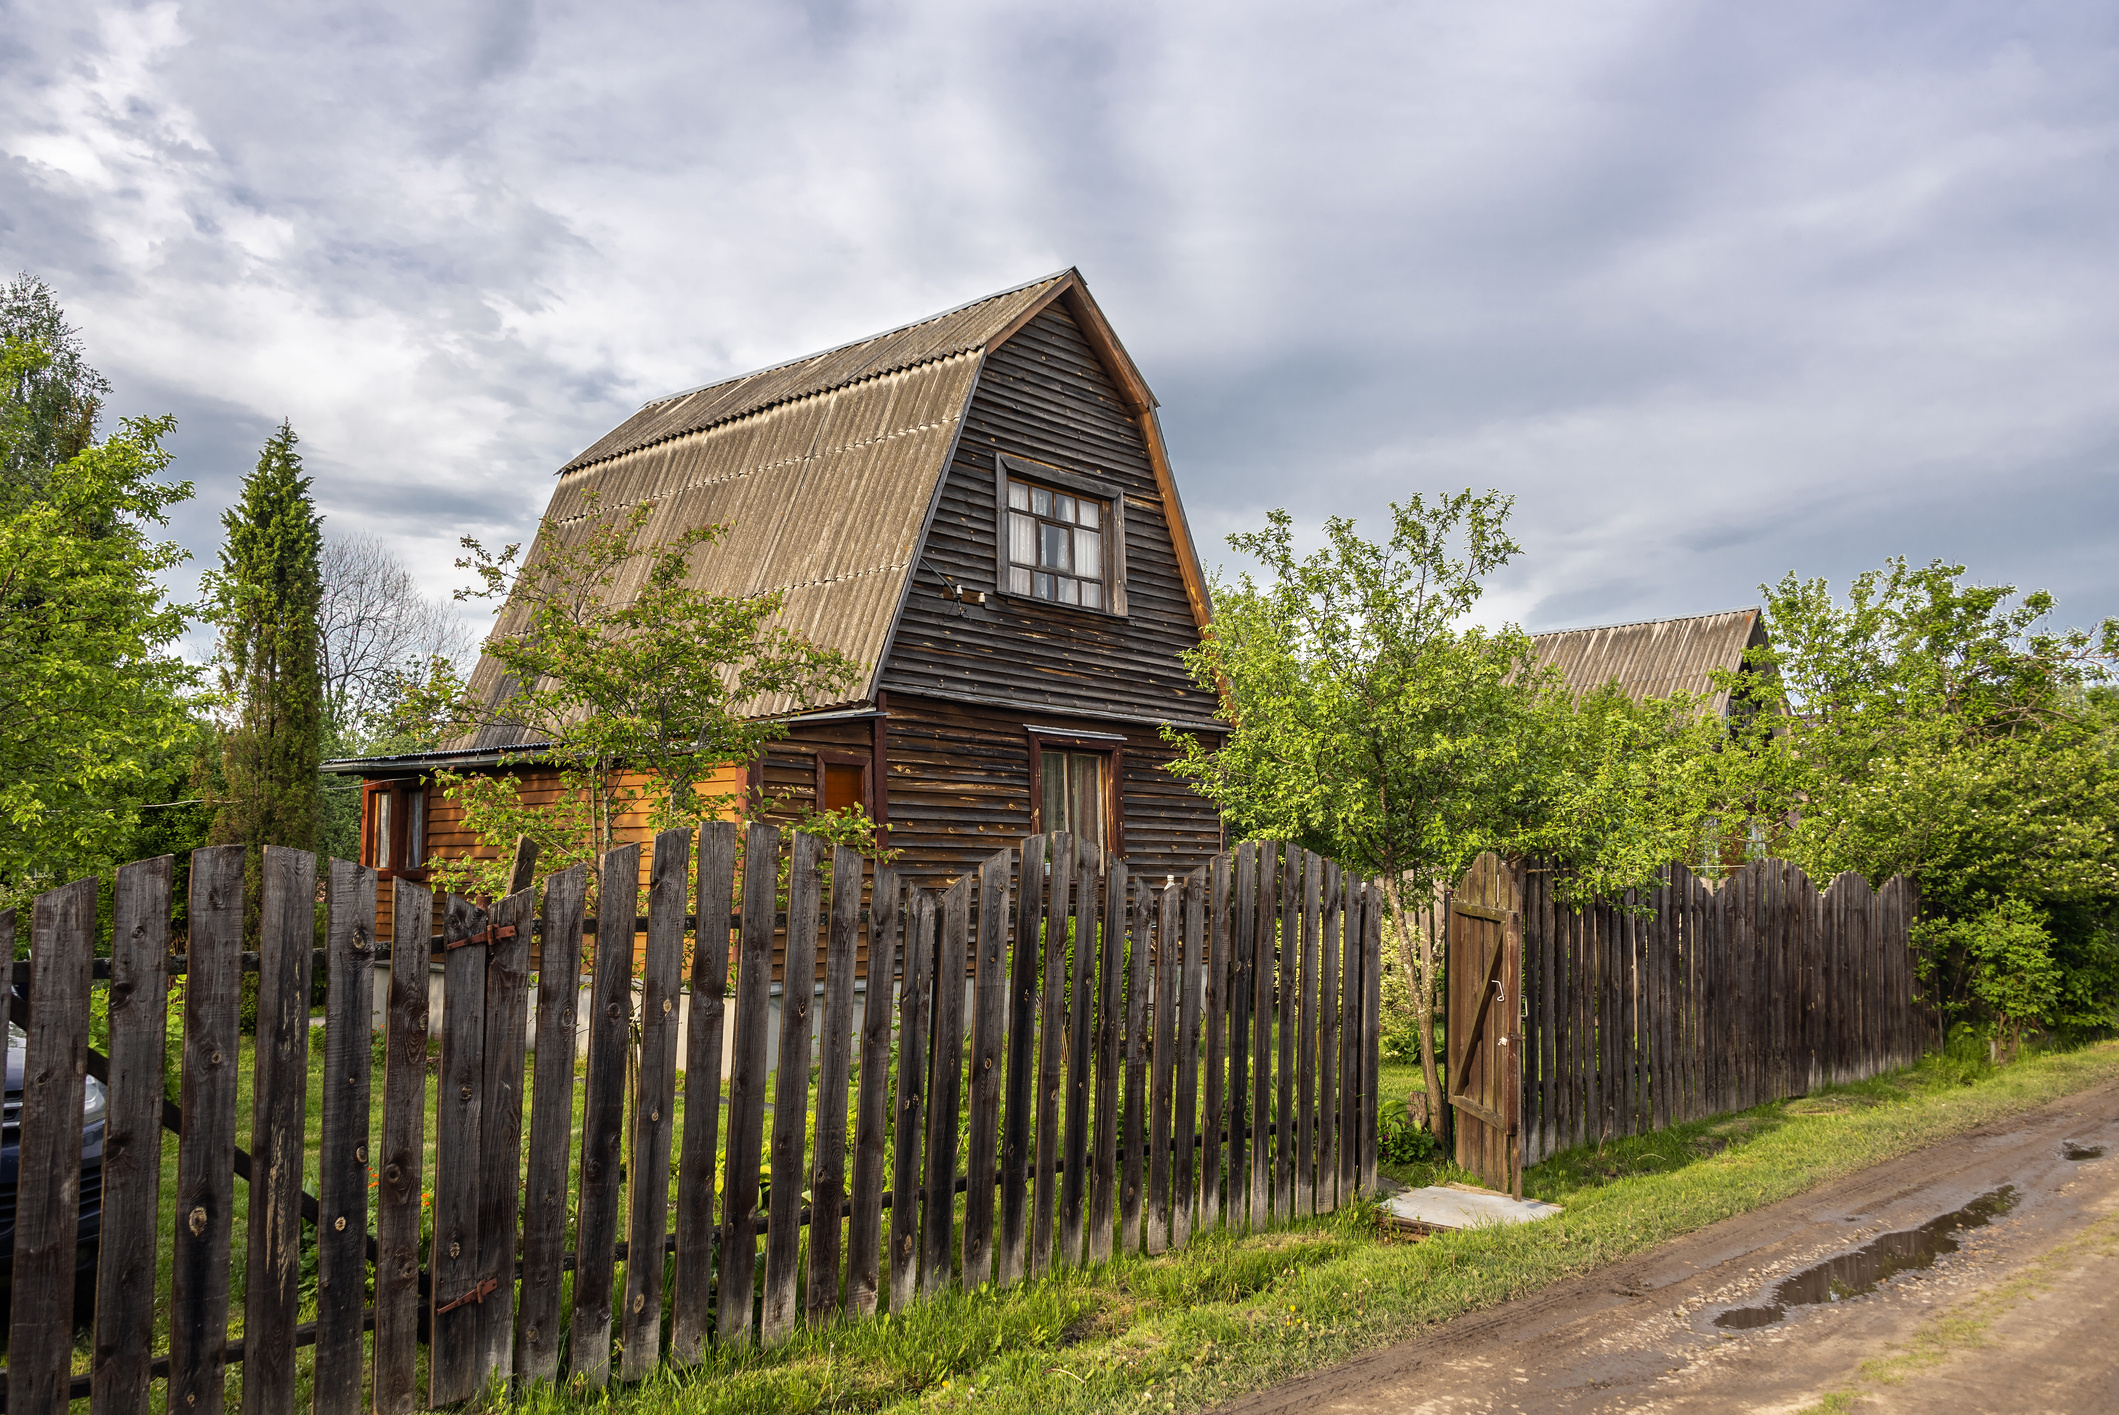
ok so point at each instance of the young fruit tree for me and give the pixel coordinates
(607, 667)
(1370, 721)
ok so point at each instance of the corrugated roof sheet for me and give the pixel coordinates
(1655, 658)
(824, 494)
(941, 336)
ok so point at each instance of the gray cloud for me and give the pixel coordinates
(1716, 293)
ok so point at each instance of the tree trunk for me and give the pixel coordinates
(1420, 970)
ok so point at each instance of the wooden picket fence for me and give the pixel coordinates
(1712, 998)
(1141, 1064)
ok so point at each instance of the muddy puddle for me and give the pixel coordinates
(1875, 1262)
(2076, 1150)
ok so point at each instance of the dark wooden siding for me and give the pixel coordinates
(1044, 396)
(790, 766)
(960, 790)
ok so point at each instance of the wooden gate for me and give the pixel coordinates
(1485, 1079)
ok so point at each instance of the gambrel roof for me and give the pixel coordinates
(1658, 657)
(827, 469)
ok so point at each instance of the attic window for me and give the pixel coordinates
(1062, 537)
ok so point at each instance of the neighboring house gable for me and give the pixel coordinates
(1657, 658)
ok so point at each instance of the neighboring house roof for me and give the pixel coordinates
(826, 469)
(1655, 658)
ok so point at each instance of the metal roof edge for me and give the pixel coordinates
(1059, 274)
(476, 756)
(1752, 609)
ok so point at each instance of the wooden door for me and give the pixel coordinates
(1485, 1079)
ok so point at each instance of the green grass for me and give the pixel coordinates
(1232, 1314)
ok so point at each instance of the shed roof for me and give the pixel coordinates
(1655, 658)
(825, 469)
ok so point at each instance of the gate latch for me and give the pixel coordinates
(487, 936)
(486, 1288)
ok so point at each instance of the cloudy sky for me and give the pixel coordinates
(1717, 291)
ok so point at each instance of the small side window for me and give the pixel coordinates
(843, 782)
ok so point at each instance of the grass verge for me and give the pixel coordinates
(1234, 1314)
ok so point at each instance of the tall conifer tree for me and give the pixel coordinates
(266, 591)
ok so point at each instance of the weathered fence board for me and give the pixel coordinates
(1696, 998)
(1132, 900)
(871, 1127)
(603, 1116)
(1111, 962)
(918, 971)
(1081, 1049)
(132, 1140)
(205, 1210)
(988, 1018)
(1264, 939)
(1160, 1084)
(1017, 1133)
(1185, 1178)
(1051, 1083)
(783, 1218)
(1214, 1121)
(691, 1318)
(48, 1173)
(944, 1087)
(654, 1104)
(452, 1274)
(827, 1184)
(544, 1217)
(279, 1091)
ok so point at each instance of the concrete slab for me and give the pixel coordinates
(1460, 1207)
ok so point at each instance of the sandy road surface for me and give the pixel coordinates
(2024, 1317)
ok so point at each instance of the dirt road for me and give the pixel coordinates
(2022, 1316)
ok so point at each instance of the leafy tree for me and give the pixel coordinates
(93, 697)
(1948, 731)
(266, 591)
(49, 401)
(609, 668)
(1371, 723)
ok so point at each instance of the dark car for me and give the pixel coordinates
(96, 1103)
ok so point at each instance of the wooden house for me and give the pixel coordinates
(1659, 657)
(979, 508)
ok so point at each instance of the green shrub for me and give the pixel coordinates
(1399, 1140)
